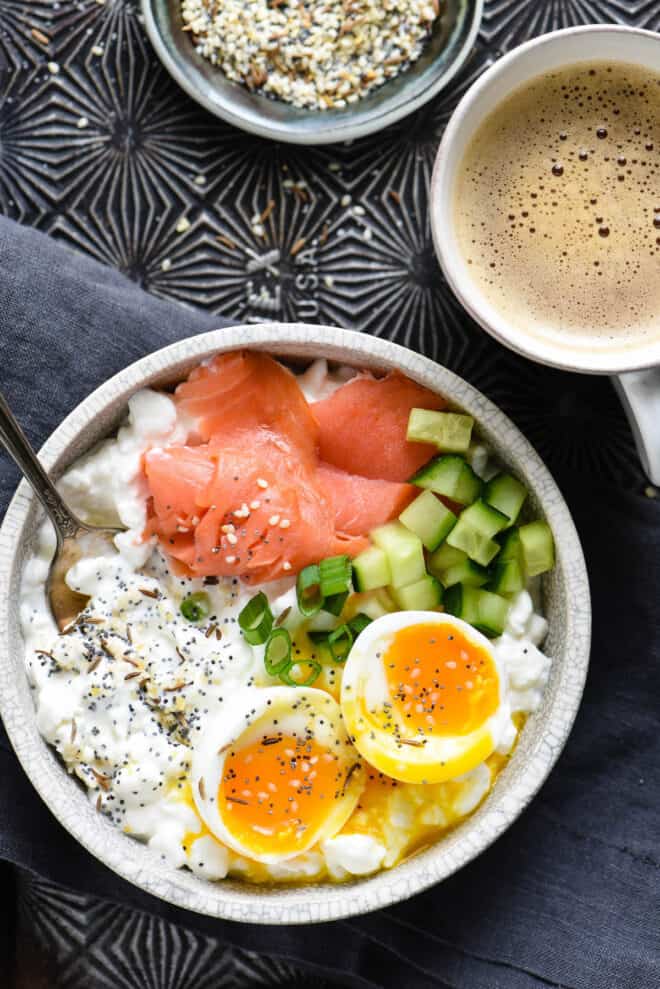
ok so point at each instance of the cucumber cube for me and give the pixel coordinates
(450, 476)
(507, 577)
(506, 494)
(423, 595)
(444, 558)
(486, 611)
(511, 546)
(447, 430)
(404, 551)
(478, 546)
(467, 572)
(371, 569)
(429, 519)
(538, 548)
(486, 520)
(493, 612)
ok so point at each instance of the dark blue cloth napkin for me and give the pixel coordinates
(570, 896)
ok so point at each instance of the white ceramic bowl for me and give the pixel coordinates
(553, 51)
(566, 603)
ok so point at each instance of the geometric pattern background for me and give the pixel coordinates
(67, 940)
(100, 149)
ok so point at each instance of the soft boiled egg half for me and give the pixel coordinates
(424, 698)
(277, 774)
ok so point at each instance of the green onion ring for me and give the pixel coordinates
(277, 655)
(335, 574)
(256, 620)
(308, 591)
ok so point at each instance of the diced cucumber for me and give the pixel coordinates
(371, 569)
(462, 602)
(447, 430)
(474, 529)
(506, 494)
(484, 610)
(484, 519)
(450, 476)
(444, 558)
(511, 546)
(466, 572)
(423, 595)
(404, 551)
(429, 519)
(507, 577)
(538, 548)
(453, 566)
(478, 547)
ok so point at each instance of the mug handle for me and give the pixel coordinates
(639, 392)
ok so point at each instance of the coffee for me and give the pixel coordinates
(557, 206)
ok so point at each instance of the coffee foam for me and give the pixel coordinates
(557, 206)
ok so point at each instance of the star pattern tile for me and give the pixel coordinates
(508, 23)
(81, 942)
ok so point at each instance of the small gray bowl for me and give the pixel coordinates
(451, 42)
(566, 606)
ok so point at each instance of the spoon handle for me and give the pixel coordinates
(17, 446)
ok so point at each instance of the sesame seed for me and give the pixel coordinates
(286, 565)
(230, 559)
(285, 523)
(255, 504)
(261, 483)
(232, 539)
(274, 520)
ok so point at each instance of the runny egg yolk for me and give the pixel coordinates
(276, 788)
(440, 681)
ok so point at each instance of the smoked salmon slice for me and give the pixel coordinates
(177, 477)
(362, 503)
(363, 426)
(249, 496)
(261, 510)
(244, 390)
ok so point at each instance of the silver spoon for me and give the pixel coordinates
(74, 538)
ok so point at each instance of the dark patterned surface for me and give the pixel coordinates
(107, 155)
(66, 940)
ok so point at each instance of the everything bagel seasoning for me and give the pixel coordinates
(318, 54)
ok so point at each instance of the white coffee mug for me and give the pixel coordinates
(637, 368)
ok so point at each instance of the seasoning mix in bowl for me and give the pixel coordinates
(312, 72)
(319, 54)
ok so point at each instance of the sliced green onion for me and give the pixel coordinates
(308, 591)
(359, 623)
(277, 655)
(256, 620)
(339, 642)
(196, 607)
(335, 574)
(335, 603)
(315, 669)
(319, 635)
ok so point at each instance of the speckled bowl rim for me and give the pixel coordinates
(540, 743)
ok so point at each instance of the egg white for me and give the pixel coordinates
(435, 758)
(259, 712)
